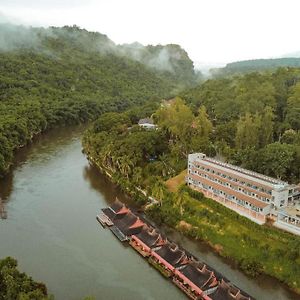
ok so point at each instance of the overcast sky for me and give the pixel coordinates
(211, 31)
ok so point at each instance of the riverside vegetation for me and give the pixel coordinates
(250, 120)
(17, 285)
(59, 76)
(67, 75)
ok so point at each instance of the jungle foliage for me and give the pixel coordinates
(248, 120)
(15, 285)
(255, 65)
(255, 120)
(59, 76)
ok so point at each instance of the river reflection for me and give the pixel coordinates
(52, 196)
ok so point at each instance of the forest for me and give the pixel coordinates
(59, 76)
(255, 120)
(250, 120)
(62, 76)
(17, 285)
(255, 65)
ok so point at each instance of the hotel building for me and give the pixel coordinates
(250, 194)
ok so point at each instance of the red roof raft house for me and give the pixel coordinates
(167, 257)
(227, 291)
(124, 222)
(196, 280)
(146, 240)
(200, 282)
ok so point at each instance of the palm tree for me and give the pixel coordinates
(159, 189)
(180, 200)
(138, 176)
(126, 165)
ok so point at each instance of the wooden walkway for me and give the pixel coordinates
(117, 232)
(104, 220)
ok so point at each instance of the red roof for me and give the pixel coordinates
(123, 210)
(137, 223)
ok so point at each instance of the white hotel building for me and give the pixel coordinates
(250, 194)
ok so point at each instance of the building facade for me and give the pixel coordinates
(147, 123)
(251, 194)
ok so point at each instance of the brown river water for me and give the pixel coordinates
(52, 196)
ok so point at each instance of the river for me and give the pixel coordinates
(52, 196)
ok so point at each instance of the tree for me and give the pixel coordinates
(275, 160)
(181, 198)
(293, 108)
(177, 118)
(247, 134)
(266, 128)
(16, 285)
(289, 136)
(202, 124)
(158, 191)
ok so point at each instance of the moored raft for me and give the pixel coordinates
(118, 233)
(104, 220)
(196, 279)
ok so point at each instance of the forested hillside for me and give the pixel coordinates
(68, 75)
(247, 66)
(256, 120)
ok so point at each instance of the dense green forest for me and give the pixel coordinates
(247, 66)
(250, 120)
(57, 76)
(17, 285)
(255, 120)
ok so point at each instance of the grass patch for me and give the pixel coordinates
(174, 183)
(256, 249)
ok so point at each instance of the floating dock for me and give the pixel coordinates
(104, 220)
(118, 233)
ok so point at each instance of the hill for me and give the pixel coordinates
(247, 66)
(55, 76)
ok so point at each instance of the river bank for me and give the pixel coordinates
(147, 158)
(51, 229)
(180, 233)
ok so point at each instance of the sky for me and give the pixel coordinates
(213, 32)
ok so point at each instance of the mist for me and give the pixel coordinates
(168, 58)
